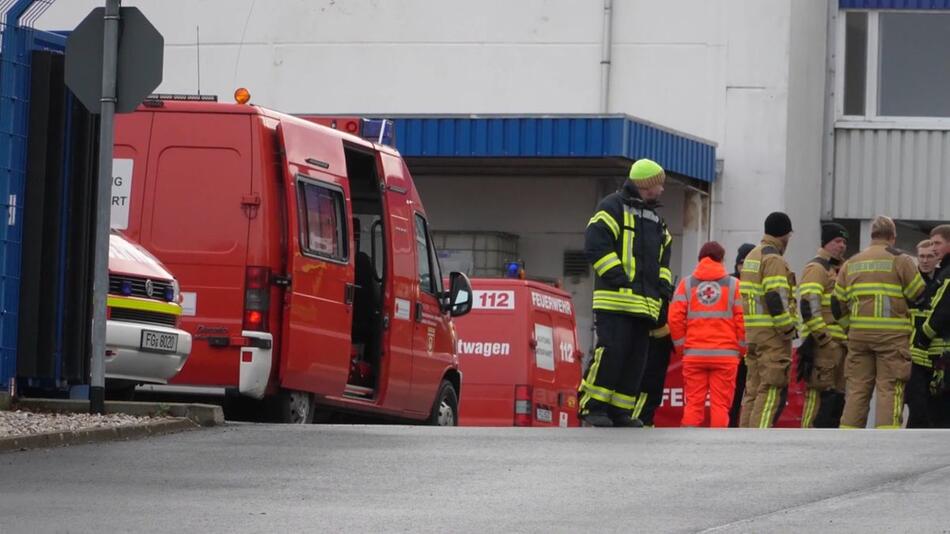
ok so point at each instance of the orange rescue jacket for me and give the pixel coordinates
(705, 316)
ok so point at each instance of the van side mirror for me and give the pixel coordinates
(460, 296)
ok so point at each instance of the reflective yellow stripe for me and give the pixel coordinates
(881, 323)
(842, 292)
(887, 427)
(782, 319)
(898, 402)
(931, 333)
(629, 260)
(628, 302)
(921, 357)
(608, 262)
(624, 402)
(775, 282)
(848, 427)
(594, 392)
(641, 402)
(604, 217)
(915, 287)
(133, 303)
(666, 274)
(808, 413)
(873, 290)
(766, 420)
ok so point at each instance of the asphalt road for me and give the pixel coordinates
(256, 478)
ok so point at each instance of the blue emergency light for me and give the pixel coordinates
(513, 269)
(126, 288)
(379, 131)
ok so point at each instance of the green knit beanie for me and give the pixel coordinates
(646, 173)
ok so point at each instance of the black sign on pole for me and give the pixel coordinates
(140, 61)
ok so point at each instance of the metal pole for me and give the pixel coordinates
(100, 286)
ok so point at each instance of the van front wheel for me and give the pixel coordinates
(445, 410)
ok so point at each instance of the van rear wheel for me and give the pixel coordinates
(445, 410)
(295, 407)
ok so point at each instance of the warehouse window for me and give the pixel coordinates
(914, 69)
(855, 63)
(893, 65)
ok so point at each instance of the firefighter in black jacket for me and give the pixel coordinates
(928, 396)
(628, 245)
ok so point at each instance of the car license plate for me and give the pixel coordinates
(543, 415)
(153, 341)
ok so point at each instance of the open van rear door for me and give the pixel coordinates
(319, 300)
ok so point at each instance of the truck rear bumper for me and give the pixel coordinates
(255, 366)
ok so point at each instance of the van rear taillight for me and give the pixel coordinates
(522, 405)
(256, 298)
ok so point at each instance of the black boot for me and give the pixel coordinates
(598, 419)
(625, 420)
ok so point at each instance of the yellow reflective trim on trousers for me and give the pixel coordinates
(808, 413)
(770, 400)
(624, 402)
(887, 427)
(594, 366)
(608, 262)
(594, 392)
(641, 402)
(132, 303)
(604, 217)
(898, 402)
(849, 427)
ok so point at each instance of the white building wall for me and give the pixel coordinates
(747, 74)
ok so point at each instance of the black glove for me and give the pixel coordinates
(806, 359)
(921, 341)
(938, 381)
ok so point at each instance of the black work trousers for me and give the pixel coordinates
(923, 407)
(654, 378)
(612, 383)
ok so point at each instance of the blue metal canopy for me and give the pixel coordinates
(894, 4)
(554, 136)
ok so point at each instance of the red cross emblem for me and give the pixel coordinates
(709, 293)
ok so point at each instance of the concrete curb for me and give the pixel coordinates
(94, 435)
(200, 414)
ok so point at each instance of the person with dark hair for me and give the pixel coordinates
(708, 332)
(766, 288)
(736, 409)
(821, 354)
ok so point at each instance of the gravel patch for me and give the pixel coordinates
(21, 423)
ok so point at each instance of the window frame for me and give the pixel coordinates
(871, 119)
(303, 219)
(430, 256)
